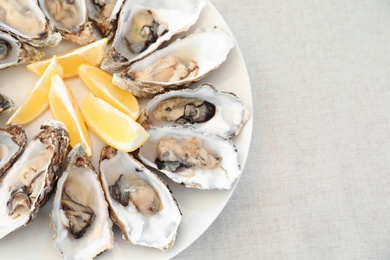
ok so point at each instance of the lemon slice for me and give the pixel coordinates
(111, 125)
(92, 53)
(65, 109)
(37, 101)
(100, 84)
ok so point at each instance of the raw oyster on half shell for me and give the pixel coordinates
(25, 20)
(191, 157)
(29, 182)
(178, 65)
(140, 203)
(70, 18)
(80, 212)
(104, 14)
(13, 140)
(144, 25)
(13, 52)
(205, 108)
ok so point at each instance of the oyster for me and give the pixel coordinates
(104, 14)
(205, 108)
(70, 18)
(29, 182)
(80, 212)
(140, 202)
(25, 20)
(192, 157)
(7, 105)
(144, 25)
(178, 65)
(13, 140)
(14, 52)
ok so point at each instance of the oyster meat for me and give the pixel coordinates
(70, 18)
(205, 108)
(191, 157)
(7, 105)
(140, 202)
(29, 182)
(178, 65)
(25, 20)
(144, 25)
(13, 140)
(80, 212)
(104, 14)
(13, 52)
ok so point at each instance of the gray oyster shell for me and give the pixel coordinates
(13, 141)
(14, 52)
(29, 182)
(80, 218)
(141, 203)
(204, 108)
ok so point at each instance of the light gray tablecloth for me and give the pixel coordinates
(317, 181)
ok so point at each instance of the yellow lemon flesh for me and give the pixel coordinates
(111, 125)
(65, 109)
(92, 54)
(37, 101)
(100, 84)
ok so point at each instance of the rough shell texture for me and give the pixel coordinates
(146, 220)
(144, 25)
(178, 65)
(196, 159)
(7, 105)
(13, 140)
(70, 18)
(80, 216)
(104, 14)
(26, 21)
(226, 116)
(29, 183)
(13, 52)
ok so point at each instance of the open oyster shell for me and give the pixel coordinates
(29, 182)
(13, 52)
(191, 157)
(13, 140)
(70, 18)
(144, 25)
(205, 108)
(104, 14)
(25, 20)
(178, 65)
(140, 203)
(80, 213)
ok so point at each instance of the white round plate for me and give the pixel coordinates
(200, 208)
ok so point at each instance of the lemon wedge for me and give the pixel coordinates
(92, 53)
(100, 84)
(65, 109)
(111, 125)
(37, 101)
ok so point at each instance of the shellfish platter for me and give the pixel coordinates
(198, 205)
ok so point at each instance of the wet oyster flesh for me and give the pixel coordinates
(26, 21)
(80, 215)
(29, 182)
(70, 18)
(178, 65)
(140, 203)
(204, 108)
(144, 25)
(189, 156)
(13, 52)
